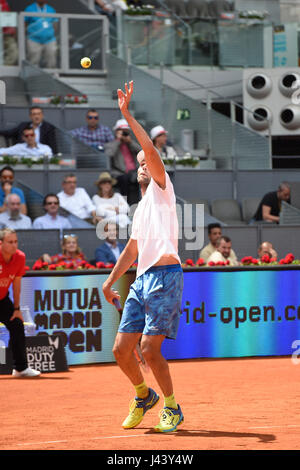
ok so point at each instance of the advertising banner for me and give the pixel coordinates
(74, 306)
(238, 313)
(233, 313)
(44, 353)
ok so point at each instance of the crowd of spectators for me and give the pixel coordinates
(44, 132)
(219, 251)
(105, 205)
(115, 191)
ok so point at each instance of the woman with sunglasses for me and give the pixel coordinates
(71, 252)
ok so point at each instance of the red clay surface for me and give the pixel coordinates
(243, 404)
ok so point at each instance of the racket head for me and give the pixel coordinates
(140, 358)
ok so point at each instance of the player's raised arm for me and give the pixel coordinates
(152, 157)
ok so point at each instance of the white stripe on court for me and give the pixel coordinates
(98, 438)
(271, 427)
(74, 440)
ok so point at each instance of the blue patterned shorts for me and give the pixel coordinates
(154, 302)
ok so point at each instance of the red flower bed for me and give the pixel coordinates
(219, 263)
(41, 265)
(246, 261)
(289, 258)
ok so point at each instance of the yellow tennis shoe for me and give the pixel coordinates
(138, 407)
(169, 419)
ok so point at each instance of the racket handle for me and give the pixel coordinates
(117, 304)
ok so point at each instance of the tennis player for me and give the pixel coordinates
(152, 308)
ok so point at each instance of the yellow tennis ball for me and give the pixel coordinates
(85, 62)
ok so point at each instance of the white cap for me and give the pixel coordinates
(121, 124)
(157, 130)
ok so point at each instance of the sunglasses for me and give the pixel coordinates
(68, 235)
(29, 135)
(93, 117)
(52, 202)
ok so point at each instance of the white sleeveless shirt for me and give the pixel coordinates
(155, 225)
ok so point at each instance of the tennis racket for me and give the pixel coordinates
(137, 350)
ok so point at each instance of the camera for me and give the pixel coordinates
(125, 133)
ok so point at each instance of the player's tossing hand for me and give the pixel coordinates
(124, 98)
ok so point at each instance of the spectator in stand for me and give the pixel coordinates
(44, 131)
(159, 138)
(123, 152)
(71, 252)
(109, 7)
(76, 200)
(51, 219)
(266, 248)
(7, 176)
(110, 250)
(222, 252)
(109, 205)
(13, 217)
(41, 39)
(29, 148)
(270, 205)
(10, 46)
(94, 134)
(214, 233)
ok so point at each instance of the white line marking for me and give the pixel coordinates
(38, 443)
(116, 437)
(139, 435)
(270, 427)
(74, 440)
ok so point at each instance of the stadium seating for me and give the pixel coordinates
(205, 202)
(227, 210)
(249, 207)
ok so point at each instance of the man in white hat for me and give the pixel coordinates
(159, 138)
(123, 152)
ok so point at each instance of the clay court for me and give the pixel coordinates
(241, 404)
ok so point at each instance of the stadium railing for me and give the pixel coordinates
(223, 139)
